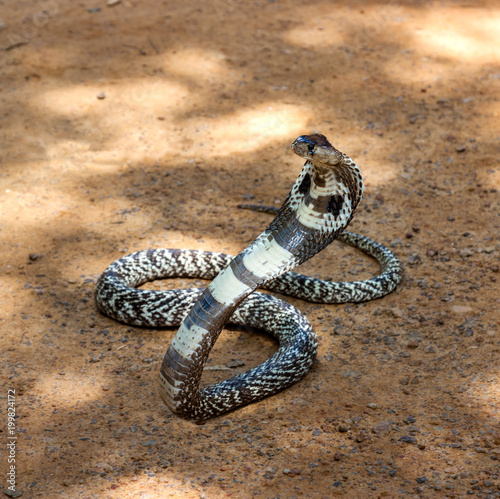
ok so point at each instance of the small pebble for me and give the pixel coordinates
(460, 148)
(35, 256)
(235, 363)
(101, 95)
(12, 493)
(407, 439)
(460, 309)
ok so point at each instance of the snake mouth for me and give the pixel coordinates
(317, 149)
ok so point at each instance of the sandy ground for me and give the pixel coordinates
(144, 125)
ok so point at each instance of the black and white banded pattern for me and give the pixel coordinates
(317, 210)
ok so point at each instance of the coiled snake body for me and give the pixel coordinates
(317, 210)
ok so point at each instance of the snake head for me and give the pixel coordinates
(317, 149)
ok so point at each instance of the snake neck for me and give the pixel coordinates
(319, 207)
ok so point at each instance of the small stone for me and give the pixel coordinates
(383, 427)
(101, 95)
(460, 148)
(359, 438)
(422, 479)
(459, 309)
(414, 259)
(431, 252)
(371, 405)
(235, 363)
(112, 3)
(12, 493)
(104, 466)
(407, 439)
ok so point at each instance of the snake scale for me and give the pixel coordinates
(318, 208)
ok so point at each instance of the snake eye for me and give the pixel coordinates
(311, 148)
(305, 184)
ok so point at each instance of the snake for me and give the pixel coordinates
(319, 207)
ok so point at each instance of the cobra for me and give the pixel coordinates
(317, 210)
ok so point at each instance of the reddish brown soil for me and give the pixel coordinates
(144, 125)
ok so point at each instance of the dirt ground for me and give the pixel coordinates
(143, 124)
